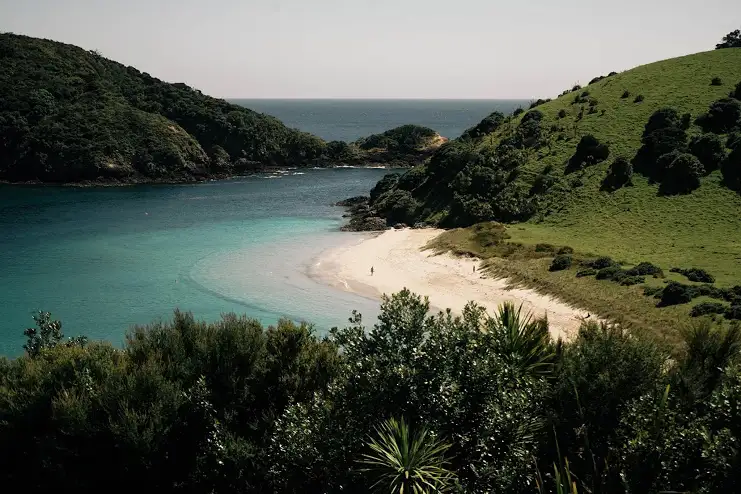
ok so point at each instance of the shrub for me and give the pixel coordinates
(575, 88)
(584, 94)
(619, 174)
(675, 294)
(596, 79)
(731, 168)
(686, 121)
(646, 269)
(705, 308)
(561, 262)
(736, 92)
(626, 94)
(386, 183)
(539, 102)
(734, 312)
(709, 150)
(545, 248)
(413, 178)
(653, 291)
(638, 98)
(651, 159)
(682, 175)
(562, 113)
(716, 81)
(589, 151)
(612, 74)
(662, 119)
(632, 280)
(722, 116)
(600, 263)
(695, 274)
(565, 250)
(586, 272)
(614, 273)
(488, 125)
(517, 112)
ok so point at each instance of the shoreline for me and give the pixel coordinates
(214, 178)
(400, 261)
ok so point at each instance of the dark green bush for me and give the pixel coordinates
(600, 263)
(675, 294)
(695, 274)
(638, 98)
(662, 119)
(565, 250)
(646, 269)
(576, 88)
(545, 248)
(709, 149)
(632, 280)
(517, 112)
(586, 272)
(626, 94)
(488, 125)
(386, 183)
(660, 148)
(731, 167)
(588, 152)
(612, 74)
(723, 116)
(613, 273)
(737, 92)
(716, 81)
(562, 113)
(619, 174)
(561, 262)
(705, 308)
(539, 102)
(653, 291)
(734, 312)
(596, 79)
(682, 175)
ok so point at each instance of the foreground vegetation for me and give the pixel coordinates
(70, 115)
(481, 403)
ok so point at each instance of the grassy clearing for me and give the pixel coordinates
(514, 253)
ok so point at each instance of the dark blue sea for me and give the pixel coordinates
(104, 259)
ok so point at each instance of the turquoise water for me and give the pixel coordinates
(348, 120)
(104, 259)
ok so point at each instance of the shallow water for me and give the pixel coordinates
(104, 259)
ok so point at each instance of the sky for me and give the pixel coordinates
(468, 49)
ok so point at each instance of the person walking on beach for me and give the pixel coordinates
(371, 270)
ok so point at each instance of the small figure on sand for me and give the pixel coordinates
(474, 268)
(371, 270)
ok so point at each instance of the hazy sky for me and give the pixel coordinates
(379, 48)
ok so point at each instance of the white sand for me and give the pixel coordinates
(449, 282)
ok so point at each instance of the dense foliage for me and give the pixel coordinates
(71, 115)
(476, 403)
(730, 40)
(404, 139)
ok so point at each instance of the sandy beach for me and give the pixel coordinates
(399, 261)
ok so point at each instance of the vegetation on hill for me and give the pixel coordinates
(480, 403)
(641, 166)
(70, 115)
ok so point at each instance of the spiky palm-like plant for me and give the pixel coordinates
(523, 340)
(402, 461)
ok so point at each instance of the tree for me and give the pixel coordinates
(619, 174)
(709, 149)
(722, 116)
(46, 334)
(402, 461)
(730, 40)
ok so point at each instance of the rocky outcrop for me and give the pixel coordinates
(362, 217)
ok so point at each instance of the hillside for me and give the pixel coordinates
(71, 115)
(524, 169)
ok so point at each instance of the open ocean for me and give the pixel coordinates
(104, 259)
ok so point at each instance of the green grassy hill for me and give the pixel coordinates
(70, 115)
(516, 170)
